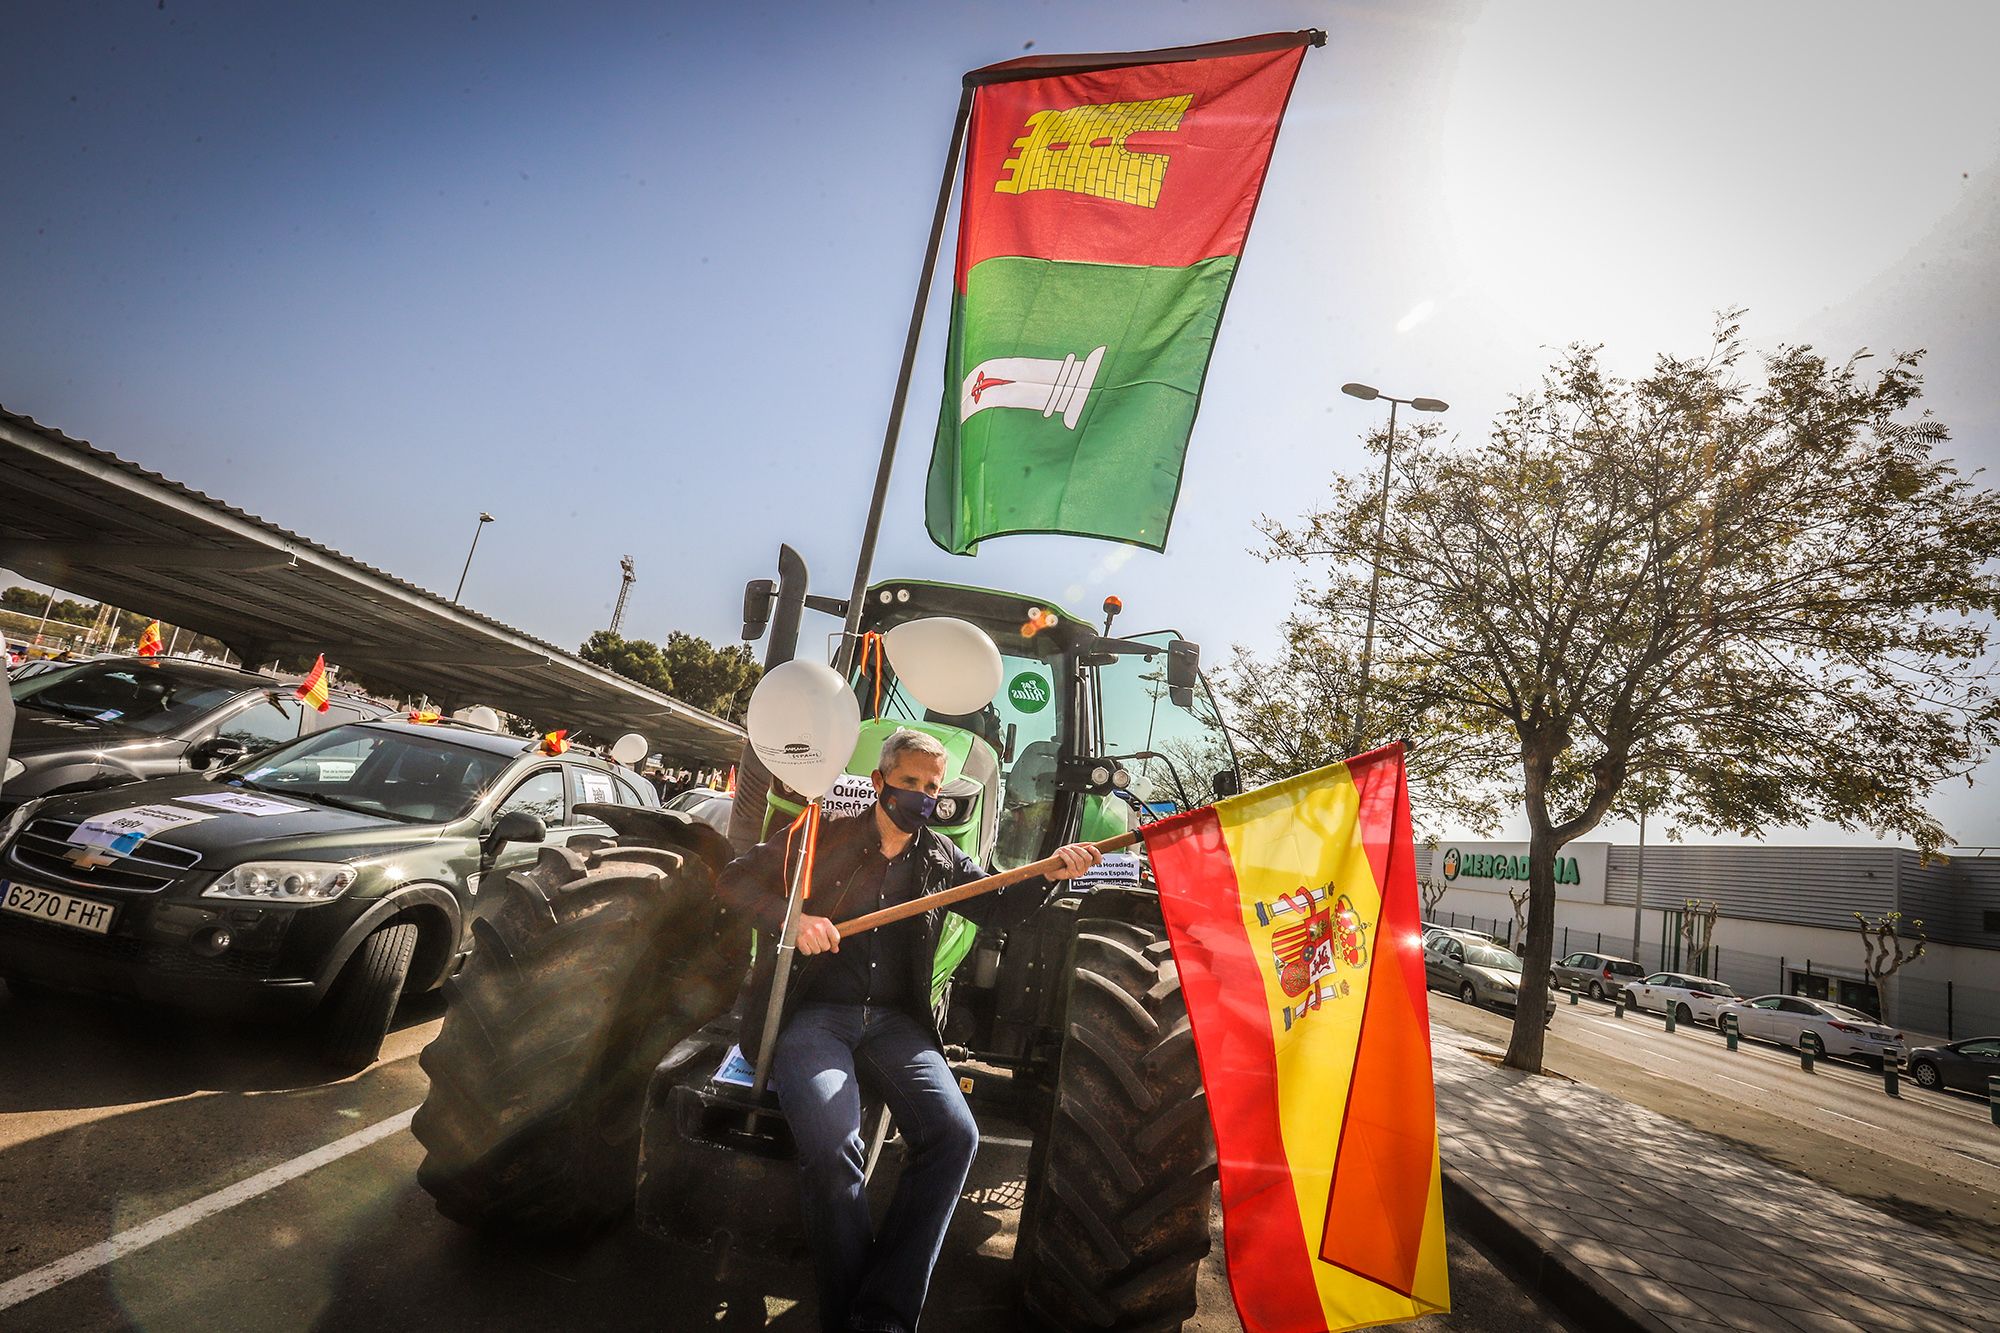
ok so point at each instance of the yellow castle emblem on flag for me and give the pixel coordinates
(1082, 150)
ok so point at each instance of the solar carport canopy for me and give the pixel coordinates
(86, 521)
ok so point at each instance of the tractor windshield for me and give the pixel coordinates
(1025, 722)
(1173, 751)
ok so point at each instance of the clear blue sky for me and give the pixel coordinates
(634, 277)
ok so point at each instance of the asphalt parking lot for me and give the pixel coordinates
(170, 1176)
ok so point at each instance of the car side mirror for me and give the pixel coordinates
(515, 826)
(216, 751)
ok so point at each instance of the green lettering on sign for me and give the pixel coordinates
(1028, 692)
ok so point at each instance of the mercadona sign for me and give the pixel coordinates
(1493, 865)
(1496, 867)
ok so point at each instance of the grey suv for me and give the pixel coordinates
(1598, 975)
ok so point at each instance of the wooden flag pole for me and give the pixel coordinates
(918, 906)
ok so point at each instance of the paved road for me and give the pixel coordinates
(116, 1121)
(1930, 1158)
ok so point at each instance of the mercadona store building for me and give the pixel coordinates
(1785, 920)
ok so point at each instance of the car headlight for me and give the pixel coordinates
(22, 814)
(284, 881)
(15, 768)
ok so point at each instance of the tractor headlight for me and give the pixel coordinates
(284, 881)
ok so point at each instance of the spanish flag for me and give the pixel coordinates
(313, 688)
(556, 742)
(1292, 910)
(149, 641)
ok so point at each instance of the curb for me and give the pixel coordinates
(1579, 1291)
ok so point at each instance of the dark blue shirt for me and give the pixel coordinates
(874, 967)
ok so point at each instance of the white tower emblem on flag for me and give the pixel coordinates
(1042, 383)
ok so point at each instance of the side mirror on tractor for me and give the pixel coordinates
(1183, 671)
(758, 597)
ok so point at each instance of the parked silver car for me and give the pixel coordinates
(1688, 999)
(1598, 975)
(1479, 974)
(1832, 1029)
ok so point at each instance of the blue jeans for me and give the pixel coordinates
(825, 1057)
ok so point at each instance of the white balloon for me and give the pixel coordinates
(948, 665)
(803, 723)
(479, 715)
(629, 748)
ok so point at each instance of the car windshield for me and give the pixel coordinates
(419, 779)
(147, 697)
(1491, 955)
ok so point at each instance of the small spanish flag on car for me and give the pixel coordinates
(556, 742)
(313, 688)
(149, 641)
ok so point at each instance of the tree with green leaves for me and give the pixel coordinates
(1754, 581)
(687, 666)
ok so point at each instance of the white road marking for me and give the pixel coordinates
(1000, 1142)
(51, 1275)
(1975, 1157)
(1856, 1119)
(1740, 1083)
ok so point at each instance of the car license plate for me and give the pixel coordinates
(64, 909)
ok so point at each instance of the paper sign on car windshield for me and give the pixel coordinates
(122, 830)
(242, 803)
(595, 786)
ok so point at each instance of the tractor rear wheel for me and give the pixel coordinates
(1120, 1182)
(585, 971)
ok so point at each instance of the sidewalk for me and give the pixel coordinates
(1631, 1219)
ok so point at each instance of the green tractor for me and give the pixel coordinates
(582, 1070)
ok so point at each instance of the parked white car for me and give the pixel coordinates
(1689, 999)
(1793, 1020)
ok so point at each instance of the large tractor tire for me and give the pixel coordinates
(585, 972)
(1120, 1181)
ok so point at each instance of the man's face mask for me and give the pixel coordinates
(907, 810)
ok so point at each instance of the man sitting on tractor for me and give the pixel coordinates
(858, 1018)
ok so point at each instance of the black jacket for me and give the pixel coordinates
(754, 884)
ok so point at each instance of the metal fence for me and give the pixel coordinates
(1918, 1004)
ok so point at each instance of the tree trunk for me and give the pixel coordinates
(1524, 1050)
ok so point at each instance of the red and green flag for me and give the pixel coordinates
(1292, 911)
(1106, 202)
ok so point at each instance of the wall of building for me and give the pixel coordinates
(1786, 918)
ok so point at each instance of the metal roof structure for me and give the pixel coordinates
(86, 521)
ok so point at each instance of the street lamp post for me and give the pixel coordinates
(484, 519)
(1368, 393)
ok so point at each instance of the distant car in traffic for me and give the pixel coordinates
(325, 877)
(1689, 999)
(1961, 1065)
(1598, 975)
(1431, 928)
(1829, 1028)
(1480, 974)
(104, 723)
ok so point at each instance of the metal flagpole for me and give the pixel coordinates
(844, 658)
(788, 940)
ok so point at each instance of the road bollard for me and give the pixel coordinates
(1575, 995)
(1618, 1007)
(1670, 1018)
(1730, 1033)
(1891, 1076)
(1993, 1095)
(1806, 1056)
